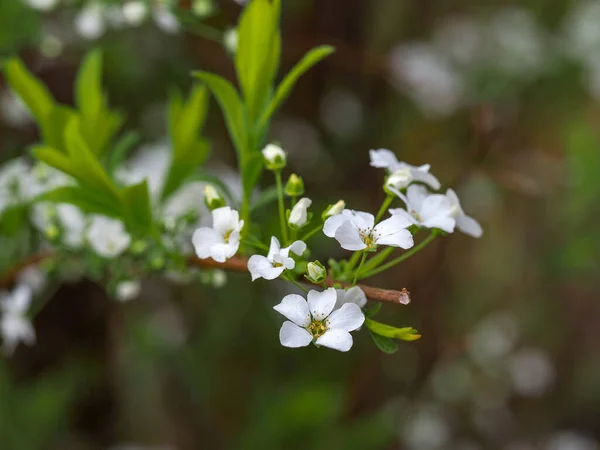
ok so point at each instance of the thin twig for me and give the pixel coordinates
(235, 264)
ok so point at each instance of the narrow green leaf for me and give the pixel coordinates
(266, 197)
(33, 93)
(385, 344)
(54, 125)
(252, 171)
(137, 208)
(283, 90)
(405, 334)
(257, 54)
(232, 108)
(88, 88)
(184, 165)
(120, 150)
(372, 310)
(54, 158)
(88, 200)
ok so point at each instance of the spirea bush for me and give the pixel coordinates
(88, 208)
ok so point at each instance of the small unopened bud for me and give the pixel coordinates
(213, 198)
(315, 272)
(334, 210)
(294, 186)
(400, 179)
(275, 157)
(299, 215)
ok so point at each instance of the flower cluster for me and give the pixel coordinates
(326, 318)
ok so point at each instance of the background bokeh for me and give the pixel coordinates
(500, 98)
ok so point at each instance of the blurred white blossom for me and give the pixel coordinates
(107, 237)
(15, 326)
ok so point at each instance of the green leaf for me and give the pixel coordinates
(54, 158)
(232, 108)
(180, 170)
(257, 54)
(212, 179)
(372, 310)
(88, 200)
(33, 93)
(88, 88)
(137, 208)
(283, 90)
(405, 334)
(385, 344)
(252, 171)
(54, 125)
(121, 149)
(267, 196)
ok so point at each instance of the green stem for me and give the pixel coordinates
(384, 206)
(352, 263)
(378, 258)
(402, 257)
(310, 234)
(298, 285)
(281, 207)
(362, 261)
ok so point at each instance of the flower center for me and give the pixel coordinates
(369, 237)
(227, 235)
(317, 328)
(416, 215)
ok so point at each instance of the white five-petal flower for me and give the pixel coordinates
(424, 209)
(108, 237)
(356, 230)
(464, 223)
(221, 241)
(15, 327)
(299, 214)
(278, 259)
(353, 295)
(316, 321)
(401, 173)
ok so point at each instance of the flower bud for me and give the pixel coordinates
(294, 186)
(334, 210)
(275, 157)
(315, 272)
(400, 179)
(213, 198)
(299, 215)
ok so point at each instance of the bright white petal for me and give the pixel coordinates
(273, 248)
(222, 252)
(427, 178)
(332, 224)
(298, 247)
(321, 303)
(336, 339)
(295, 308)
(403, 213)
(453, 197)
(469, 226)
(392, 225)
(293, 336)
(364, 219)
(348, 318)
(204, 239)
(416, 195)
(348, 237)
(402, 239)
(20, 299)
(446, 224)
(260, 267)
(225, 219)
(383, 158)
(353, 295)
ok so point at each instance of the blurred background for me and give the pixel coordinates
(501, 98)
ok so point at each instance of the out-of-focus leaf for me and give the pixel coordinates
(88, 88)
(232, 108)
(137, 208)
(33, 93)
(88, 200)
(120, 150)
(372, 310)
(54, 125)
(212, 179)
(251, 171)
(267, 196)
(283, 90)
(385, 344)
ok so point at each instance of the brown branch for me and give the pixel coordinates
(235, 264)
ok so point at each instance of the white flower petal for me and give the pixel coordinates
(348, 318)
(321, 303)
(274, 248)
(405, 214)
(446, 224)
(204, 239)
(336, 339)
(392, 225)
(332, 224)
(260, 267)
(298, 247)
(225, 220)
(293, 336)
(363, 219)
(295, 308)
(353, 295)
(426, 177)
(469, 226)
(222, 252)
(348, 237)
(19, 300)
(383, 158)
(402, 239)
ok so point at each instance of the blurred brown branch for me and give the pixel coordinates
(235, 264)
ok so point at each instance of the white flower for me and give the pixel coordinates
(356, 230)
(128, 290)
(335, 209)
(230, 40)
(165, 19)
(275, 157)
(353, 295)
(108, 237)
(46, 217)
(299, 215)
(315, 320)
(42, 5)
(401, 173)
(15, 185)
(464, 223)
(222, 240)
(425, 209)
(89, 22)
(277, 260)
(134, 12)
(15, 327)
